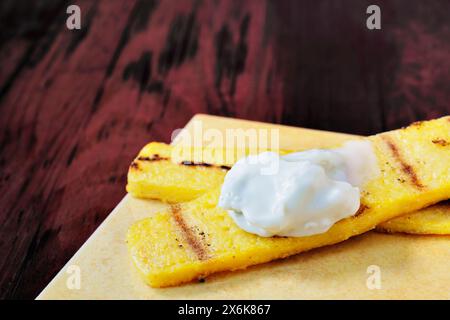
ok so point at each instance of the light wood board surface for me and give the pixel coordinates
(410, 267)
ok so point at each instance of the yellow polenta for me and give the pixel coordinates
(178, 174)
(195, 239)
(431, 220)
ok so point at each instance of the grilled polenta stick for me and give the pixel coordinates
(160, 172)
(431, 220)
(195, 239)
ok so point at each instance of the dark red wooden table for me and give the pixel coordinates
(76, 106)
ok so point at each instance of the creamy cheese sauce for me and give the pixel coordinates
(306, 194)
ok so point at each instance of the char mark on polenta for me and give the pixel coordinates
(194, 242)
(441, 142)
(155, 157)
(407, 168)
(203, 164)
(361, 210)
(134, 165)
(191, 163)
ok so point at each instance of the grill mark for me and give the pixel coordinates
(155, 157)
(204, 164)
(361, 210)
(200, 164)
(406, 167)
(134, 165)
(195, 243)
(441, 142)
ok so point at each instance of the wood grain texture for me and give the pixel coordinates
(76, 106)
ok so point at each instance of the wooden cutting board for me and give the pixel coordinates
(394, 266)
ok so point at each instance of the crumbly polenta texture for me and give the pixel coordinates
(154, 175)
(431, 220)
(195, 239)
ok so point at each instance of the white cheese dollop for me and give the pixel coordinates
(303, 193)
